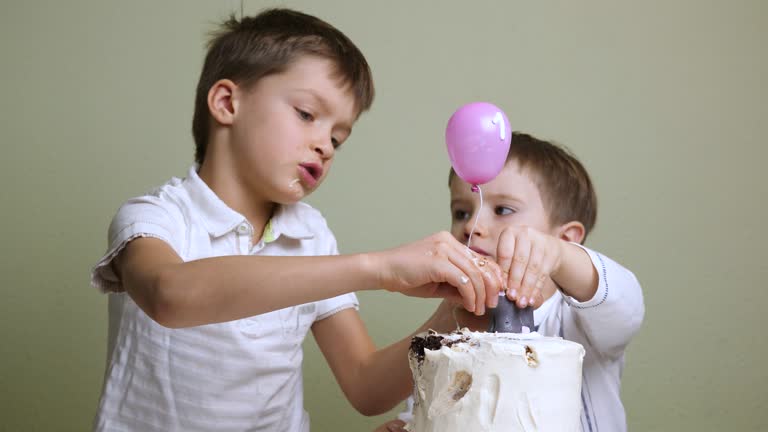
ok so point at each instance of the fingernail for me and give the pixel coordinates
(494, 301)
(513, 294)
(523, 302)
(464, 279)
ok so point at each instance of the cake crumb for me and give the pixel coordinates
(531, 358)
(462, 381)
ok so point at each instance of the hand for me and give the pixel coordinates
(528, 258)
(440, 266)
(392, 426)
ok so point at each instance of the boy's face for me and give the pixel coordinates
(286, 129)
(511, 199)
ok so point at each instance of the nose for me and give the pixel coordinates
(481, 229)
(323, 147)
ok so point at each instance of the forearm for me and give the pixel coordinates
(223, 289)
(385, 379)
(576, 275)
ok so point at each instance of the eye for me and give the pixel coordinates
(335, 143)
(304, 115)
(460, 215)
(503, 211)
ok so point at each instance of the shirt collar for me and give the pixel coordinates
(219, 219)
(288, 221)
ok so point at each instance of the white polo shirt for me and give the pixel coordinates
(233, 376)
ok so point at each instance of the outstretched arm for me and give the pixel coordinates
(181, 294)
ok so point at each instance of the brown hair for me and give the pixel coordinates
(249, 49)
(563, 182)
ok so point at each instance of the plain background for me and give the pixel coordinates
(664, 102)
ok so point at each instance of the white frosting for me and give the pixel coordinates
(486, 382)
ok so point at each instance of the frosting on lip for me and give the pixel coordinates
(494, 382)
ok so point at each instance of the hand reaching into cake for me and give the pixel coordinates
(440, 266)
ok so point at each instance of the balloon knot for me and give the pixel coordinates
(475, 189)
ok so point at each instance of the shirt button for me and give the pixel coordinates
(243, 229)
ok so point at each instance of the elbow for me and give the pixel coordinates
(369, 410)
(368, 404)
(163, 306)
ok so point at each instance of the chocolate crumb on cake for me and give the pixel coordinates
(433, 341)
(430, 342)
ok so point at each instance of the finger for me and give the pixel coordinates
(519, 263)
(467, 261)
(476, 274)
(548, 263)
(531, 277)
(505, 251)
(448, 269)
(463, 284)
(494, 283)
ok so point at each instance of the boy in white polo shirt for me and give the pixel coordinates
(215, 279)
(533, 220)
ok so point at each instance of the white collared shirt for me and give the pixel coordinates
(238, 375)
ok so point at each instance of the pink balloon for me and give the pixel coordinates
(478, 137)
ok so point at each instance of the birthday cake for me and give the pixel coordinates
(492, 382)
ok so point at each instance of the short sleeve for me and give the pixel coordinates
(146, 216)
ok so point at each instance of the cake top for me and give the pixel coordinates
(464, 340)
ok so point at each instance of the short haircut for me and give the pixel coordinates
(564, 184)
(251, 48)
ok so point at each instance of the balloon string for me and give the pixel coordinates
(476, 188)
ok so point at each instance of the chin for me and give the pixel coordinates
(292, 196)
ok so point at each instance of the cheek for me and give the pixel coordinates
(457, 230)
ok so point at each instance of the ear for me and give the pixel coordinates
(573, 231)
(222, 102)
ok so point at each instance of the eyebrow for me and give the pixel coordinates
(346, 127)
(504, 197)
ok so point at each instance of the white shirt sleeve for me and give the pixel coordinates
(146, 216)
(614, 314)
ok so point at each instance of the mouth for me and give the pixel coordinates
(310, 173)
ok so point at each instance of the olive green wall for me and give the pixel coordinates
(664, 101)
